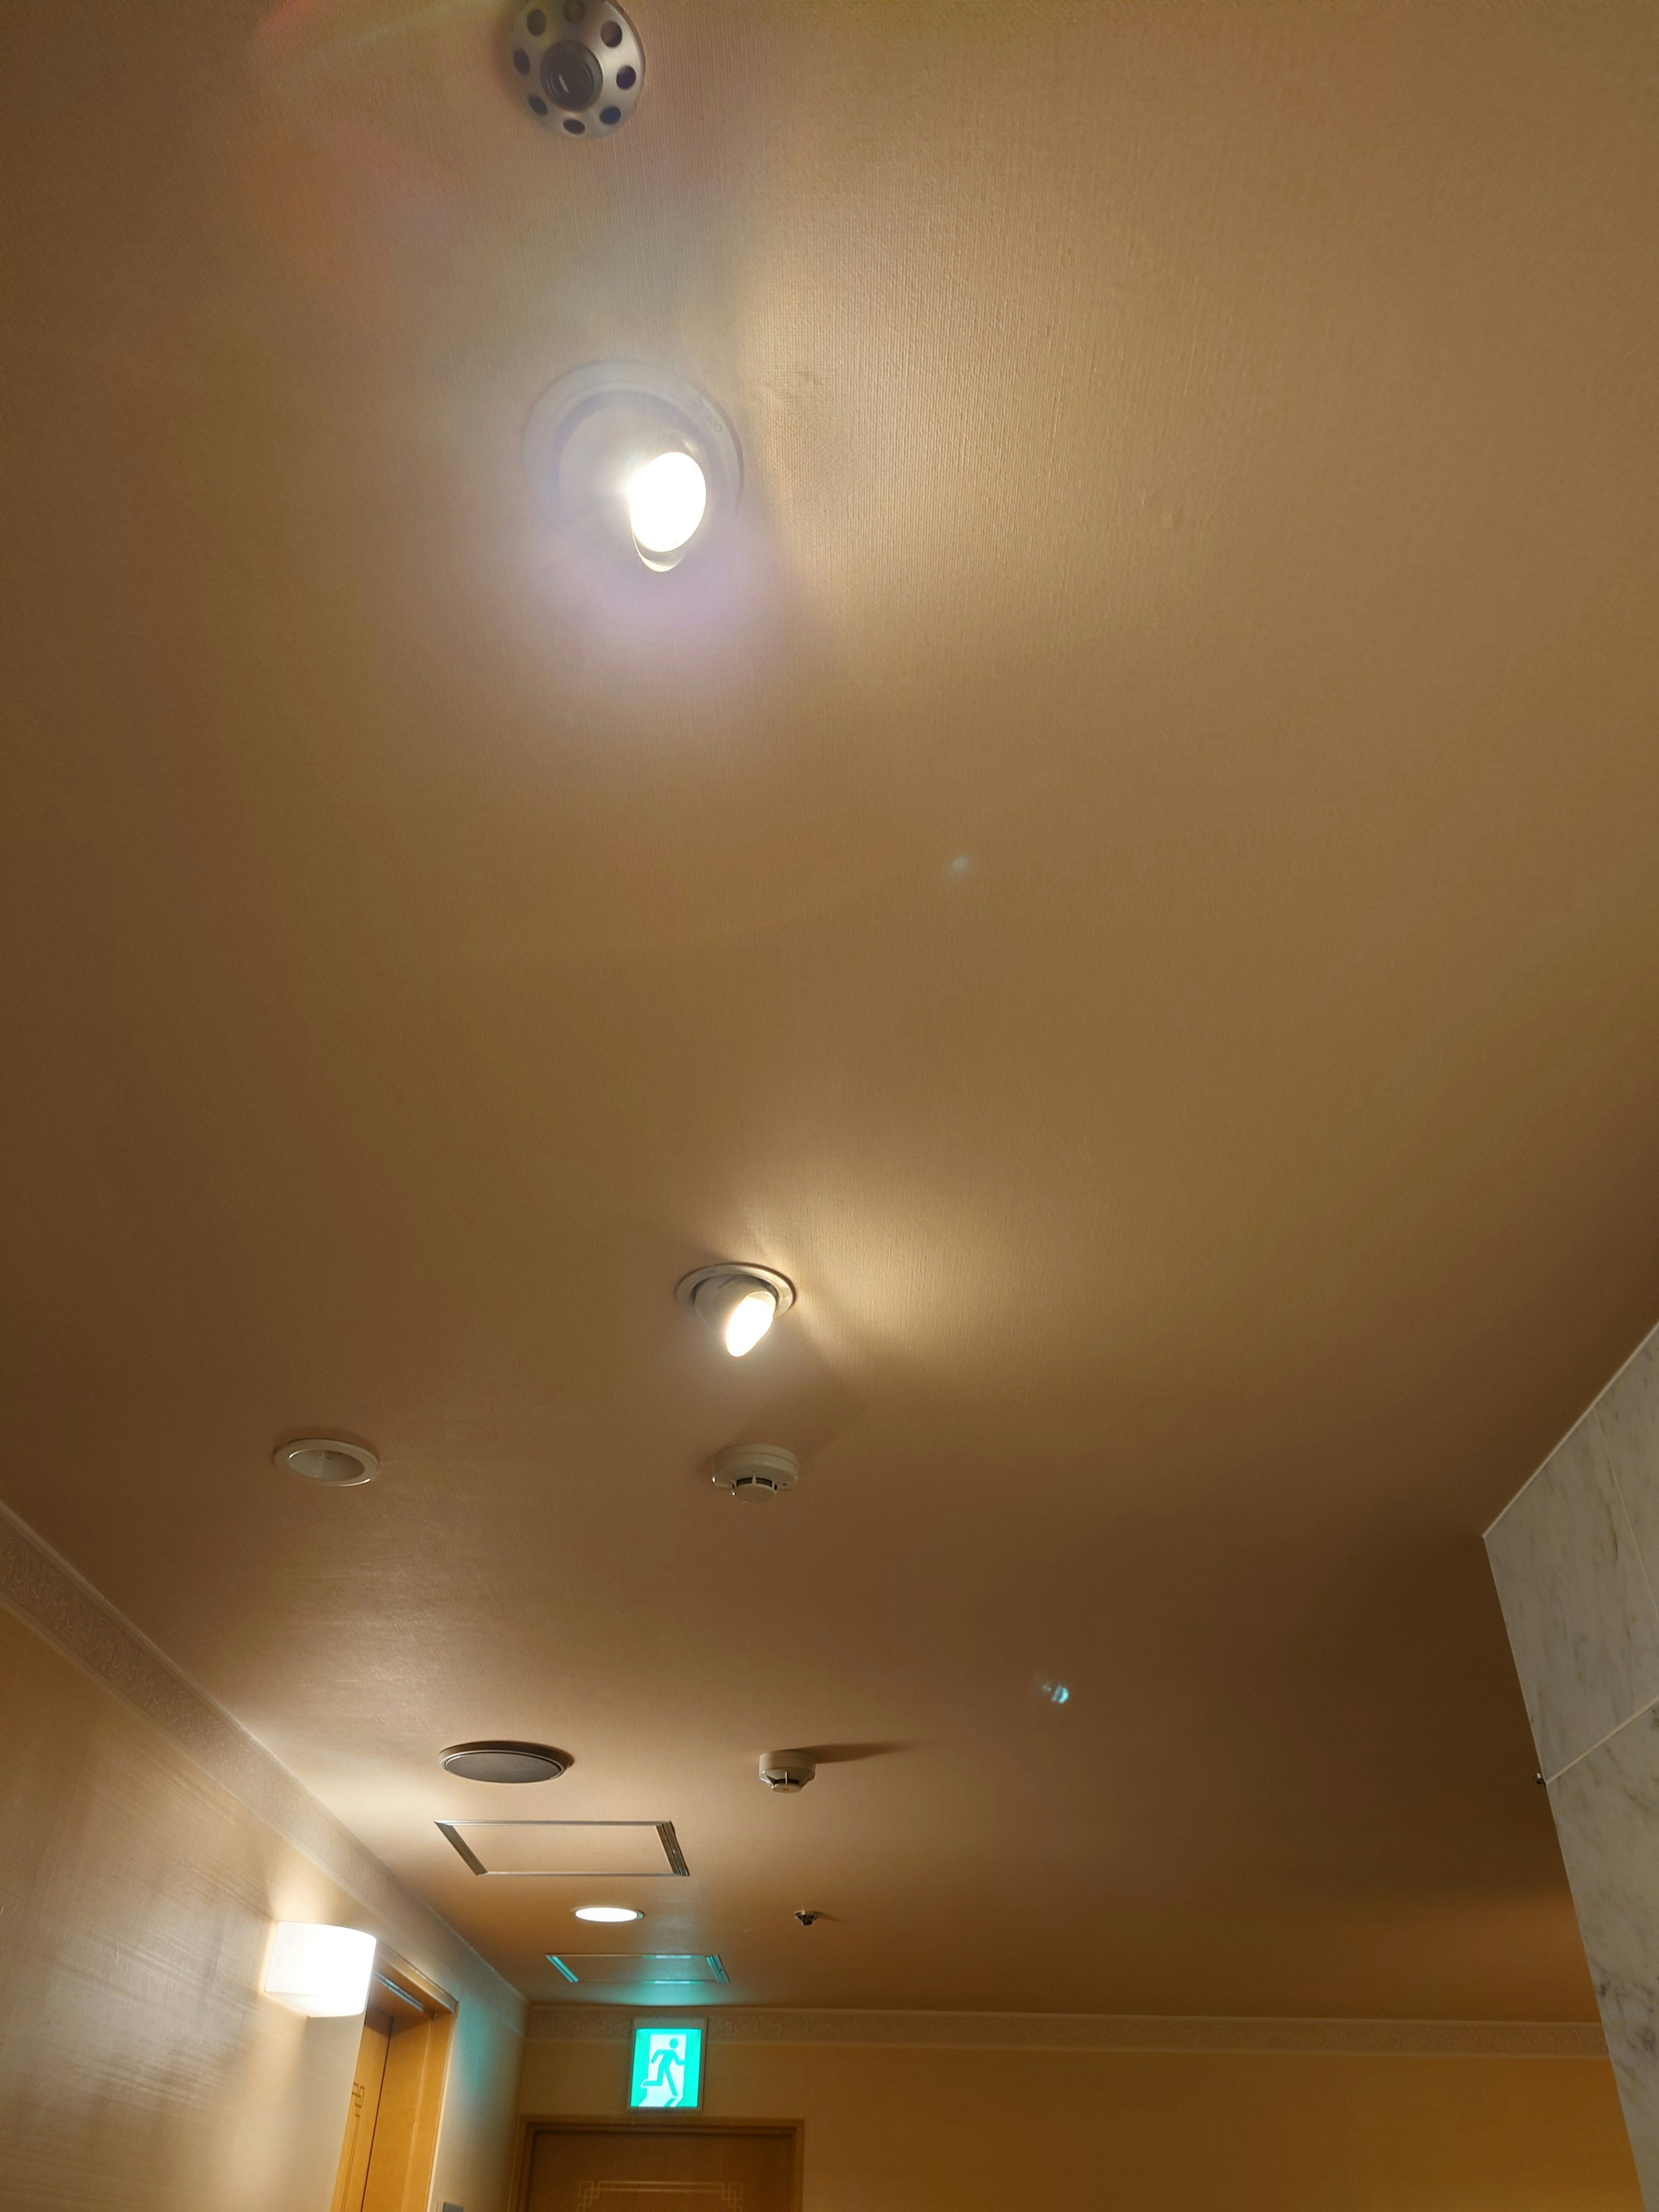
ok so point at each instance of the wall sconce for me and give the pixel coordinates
(321, 1971)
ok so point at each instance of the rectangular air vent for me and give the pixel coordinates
(590, 1849)
(637, 1969)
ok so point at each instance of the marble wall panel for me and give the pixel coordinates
(1606, 1815)
(1581, 1615)
(1627, 1415)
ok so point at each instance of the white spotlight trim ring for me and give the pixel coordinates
(731, 1271)
(328, 1461)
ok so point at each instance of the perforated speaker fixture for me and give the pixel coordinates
(755, 1472)
(577, 66)
(506, 1762)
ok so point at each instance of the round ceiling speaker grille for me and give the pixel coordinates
(506, 1762)
(326, 1460)
(577, 66)
(755, 1472)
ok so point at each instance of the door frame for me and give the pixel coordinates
(531, 2124)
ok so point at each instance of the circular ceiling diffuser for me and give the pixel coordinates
(577, 66)
(506, 1762)
(755, 1472)
(605, 444)
(326, 1460)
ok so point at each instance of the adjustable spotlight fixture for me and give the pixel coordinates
(628, 457)
(739, 1300)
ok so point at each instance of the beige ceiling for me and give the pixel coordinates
(1200, 478)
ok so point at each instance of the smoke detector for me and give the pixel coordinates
(755, 1472)
(787, 1772)
(577, 66)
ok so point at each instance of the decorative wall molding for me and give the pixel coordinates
(45, 1591)
(1037, 2030)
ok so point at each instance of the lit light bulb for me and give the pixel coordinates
(749, 1321)
(665, 502)
(609, 1913)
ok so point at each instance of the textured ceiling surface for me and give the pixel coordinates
(1128, 875)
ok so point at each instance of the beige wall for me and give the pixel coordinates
(921, 2131)
(140, 2071)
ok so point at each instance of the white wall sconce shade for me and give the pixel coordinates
(323, 1972)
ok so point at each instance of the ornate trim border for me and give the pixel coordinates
(1036, 2031)
(44, 1590)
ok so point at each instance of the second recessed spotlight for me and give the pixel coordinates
(739, 1301)
(623, 455)
(610, 1914)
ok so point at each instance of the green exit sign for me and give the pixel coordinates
(667, 2064)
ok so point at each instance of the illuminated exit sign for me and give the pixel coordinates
(667, 2064)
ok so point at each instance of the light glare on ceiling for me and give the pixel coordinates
(665, 502)
(607, 1913)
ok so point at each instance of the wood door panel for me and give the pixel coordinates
(361, 2116)
(660, 2170)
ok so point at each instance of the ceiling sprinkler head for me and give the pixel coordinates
(577, 66)
(807, 1918)
(787, 1772)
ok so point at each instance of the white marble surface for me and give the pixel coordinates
(1627, 1415)
(1606, 1815)
(1581, 1617)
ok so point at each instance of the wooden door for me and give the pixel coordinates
(360, 2114)
(657, 2169)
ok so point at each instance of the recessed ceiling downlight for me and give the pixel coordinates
(506, 1762)
(666, 502)
(611, 1914)
(326, 1460)
(633, 460)
(739, 1301)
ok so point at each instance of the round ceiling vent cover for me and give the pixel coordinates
(755, 1472)
(327, 1459)
(577, 66)
(506, 1762)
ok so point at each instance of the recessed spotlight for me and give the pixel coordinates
(666, 500)
(739, 1301)
(609, 1913)
(633, 459)
(326, 1460)
(506, 1762)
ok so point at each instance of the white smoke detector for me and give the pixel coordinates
(787, 1771)
(755, 1472)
